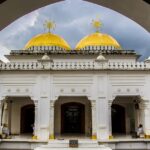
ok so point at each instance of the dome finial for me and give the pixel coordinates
(49, 25)
(96, 23)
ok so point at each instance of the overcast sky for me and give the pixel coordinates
(73, 22)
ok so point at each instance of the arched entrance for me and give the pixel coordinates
(125, 115)
(27, 118)
(72, 118)
(18, 114)
(118, 119)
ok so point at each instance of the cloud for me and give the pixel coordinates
(73, 20)
(4, 51)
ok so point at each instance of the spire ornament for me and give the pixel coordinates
(96, 23)
(49, 25)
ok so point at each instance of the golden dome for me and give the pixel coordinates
(47, 39)
(97, 39)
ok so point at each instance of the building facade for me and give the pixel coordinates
(97, 90)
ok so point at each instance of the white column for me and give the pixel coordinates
(146, 117)
(110, 119)
(5, 114)
(102, 118)
(35, 132)
(1, 105)
(51, 124)
(93, 107)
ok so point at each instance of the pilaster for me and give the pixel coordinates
(5, 114)
(145, 106)
(93, 108)
(102, 118)
(110, 120)
(35, 127)
(0, 112)
(0, 117)
(51, 124)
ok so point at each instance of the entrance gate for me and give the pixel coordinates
(73, 118)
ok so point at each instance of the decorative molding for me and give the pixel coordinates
(137, 90)
(75, 66)
(110, 103)
(72, 90)
(93, 104)
(128, 90)
(145, 104)
(87, 51)
(119, 90)
(84, 90)
(61, 90)
(36, 103)
(9, 90)
(18, 90)
(52, 103)
(26, 90)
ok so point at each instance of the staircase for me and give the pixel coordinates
(64, 145)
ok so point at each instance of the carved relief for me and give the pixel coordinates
(72, 90)
(84, 90)
(18, 90)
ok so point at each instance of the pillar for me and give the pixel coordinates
(5, 114)
(1, 117)
(93, 107)
(51, 124)
(102, 118)
(35, 128)
(146, 117)
(110, 119)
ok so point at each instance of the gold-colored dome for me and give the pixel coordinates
(97, 39)
(47, 39)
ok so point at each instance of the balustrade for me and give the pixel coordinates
(92, 65)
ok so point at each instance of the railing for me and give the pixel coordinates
(74, 66)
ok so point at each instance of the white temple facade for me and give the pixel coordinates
(97, 90)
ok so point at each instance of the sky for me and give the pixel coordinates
(73, 21)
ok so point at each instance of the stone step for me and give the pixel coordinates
(64, 145)
(98, 148)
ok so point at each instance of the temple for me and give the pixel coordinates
(97, 90)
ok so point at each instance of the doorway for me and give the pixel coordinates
(118, 119)
(27, 118)
(73, 118)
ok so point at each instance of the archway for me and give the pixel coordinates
(27, 118)
(125, 115)
(118, 119)
(128, 8)
(72, 118)
(18, 114)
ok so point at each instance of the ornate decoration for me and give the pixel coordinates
(36, 103)
(9, 90)
(119, 90)
(137, 90)
(128, 90)
(96, 24)
(52, 103)
(93, 104)
(26, 90)
(110, 103)
(84, 90)
(49, 25)
(17, 90)
(73, 66)
(72, 90)
(61, 90)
